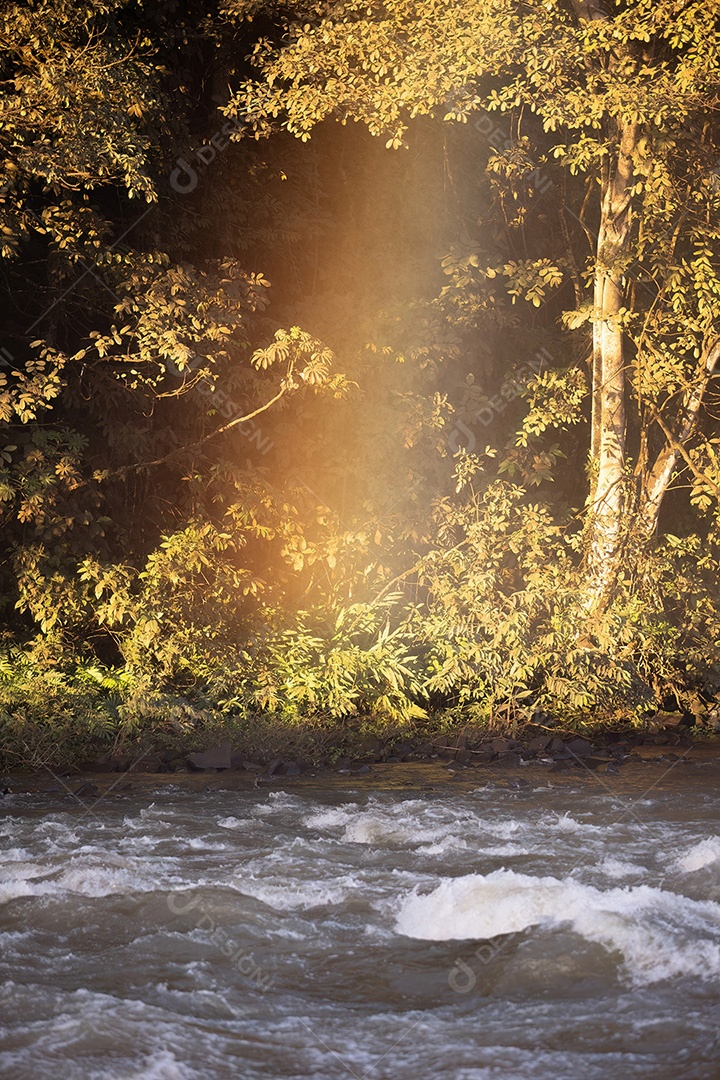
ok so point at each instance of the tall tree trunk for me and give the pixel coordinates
(607, 519)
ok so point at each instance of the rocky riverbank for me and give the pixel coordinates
(610, 758)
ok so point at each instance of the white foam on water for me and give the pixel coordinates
(140, 843)
(504, 850)
(158, 1065)
(18, 879)
(277, 801)
(329, 819)
(660, 935)
(133, 823)
(8, 938)
(96, 875)
(16, 854)
(413, 825)
(201, 843)
(161, 1066)
(450, 843)
(503, 829)
(619, 868)
(149, 819)
(58, 832)
(236, 823)
(110, 882)
(702, 854)
(568, 824)
(378, 830)
(299, 895)
(336, 880)
(22, 870)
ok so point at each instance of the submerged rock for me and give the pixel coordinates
(596, 761)
(86, 790)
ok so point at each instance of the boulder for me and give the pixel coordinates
(502, 746)
(103, 763)
(669, 719)
(147, 763)
(217, 758)
(482, 757)
(578, 747)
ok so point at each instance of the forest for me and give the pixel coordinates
(359, 370)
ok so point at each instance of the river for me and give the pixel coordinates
(501, 928)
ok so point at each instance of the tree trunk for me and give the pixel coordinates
(659, 476)
(607, 520)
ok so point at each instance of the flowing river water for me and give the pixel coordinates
(498, 928)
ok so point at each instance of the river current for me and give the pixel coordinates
(503, 930)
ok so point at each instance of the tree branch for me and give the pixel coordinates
(206, 438)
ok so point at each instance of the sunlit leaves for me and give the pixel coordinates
(25, 393)
(305, 356)
(75, 110)
(556, 400)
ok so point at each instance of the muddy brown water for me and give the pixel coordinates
(401, 924)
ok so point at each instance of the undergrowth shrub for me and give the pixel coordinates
(488, 625)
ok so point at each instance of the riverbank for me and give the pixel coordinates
(615, 761)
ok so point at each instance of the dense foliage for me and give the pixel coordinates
(379, 425)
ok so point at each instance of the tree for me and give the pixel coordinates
(122, 325)
(624, 97)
